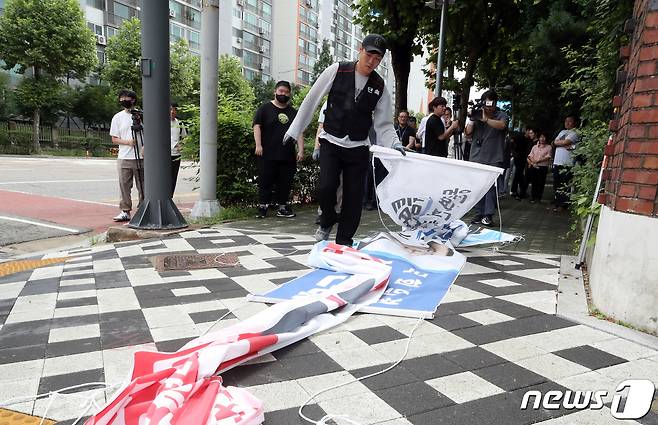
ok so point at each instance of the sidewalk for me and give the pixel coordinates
(494, 337)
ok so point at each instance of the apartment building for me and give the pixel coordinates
(104, 17)
(299, 28)
(245, 31)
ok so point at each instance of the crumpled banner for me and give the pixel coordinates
(180, 388)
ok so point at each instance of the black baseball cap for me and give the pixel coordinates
(374, 43)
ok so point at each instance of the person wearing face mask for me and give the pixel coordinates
(358, 100)
(276, 162)
(129, 164)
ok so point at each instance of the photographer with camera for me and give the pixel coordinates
(125, 130)
(487, 127)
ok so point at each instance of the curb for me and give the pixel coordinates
(572, 305)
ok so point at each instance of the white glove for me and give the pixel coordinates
(398, 147)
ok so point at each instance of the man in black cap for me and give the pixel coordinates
(358, 99)
(276, 162)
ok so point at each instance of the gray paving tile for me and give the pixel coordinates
(473, 358)
(453, 322)
(397, 376)
(414, 398)
(379, 334)
(290, 416)
(509, 376)
(590, 357)
(434, 366)
(58, 382)
(67, 348)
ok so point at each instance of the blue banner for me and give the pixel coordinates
(412, 290)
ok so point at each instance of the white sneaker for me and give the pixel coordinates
(123, 216)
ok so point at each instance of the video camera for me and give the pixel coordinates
(474, 110)
(138, 118)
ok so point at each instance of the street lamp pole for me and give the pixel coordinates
(434, 4)
(442, 38)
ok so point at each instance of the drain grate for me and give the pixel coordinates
(196, 261)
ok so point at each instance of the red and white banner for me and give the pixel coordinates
(182, 387)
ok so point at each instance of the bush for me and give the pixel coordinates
(14, 142)
(589, 152)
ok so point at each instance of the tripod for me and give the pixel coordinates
(458, 145)
(138, 136)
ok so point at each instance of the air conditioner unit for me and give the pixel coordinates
(309, 2)
(238, 40)
(262, 49)
(261, 30)
(100, 39)
(172, 13)
(240, 3)
(262, 67)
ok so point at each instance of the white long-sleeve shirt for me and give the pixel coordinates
(381, 121)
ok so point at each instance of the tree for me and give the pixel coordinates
(122, 58)
(324, 61)
(94, 104)
(232, 85)
(183, 73)
(51, 39)
(262, 90)
(475, 28)
(398, 22)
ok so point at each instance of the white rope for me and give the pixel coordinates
(324, 420)
(89, 400)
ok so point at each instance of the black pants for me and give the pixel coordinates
(277, 175)
(175, 166)
(520, 183)
(353, 163)
(537, 178)
(561, 184)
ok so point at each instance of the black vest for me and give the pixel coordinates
(346, 116)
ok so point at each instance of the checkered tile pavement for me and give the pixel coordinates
(494, 337)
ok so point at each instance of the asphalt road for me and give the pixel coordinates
(47, 197)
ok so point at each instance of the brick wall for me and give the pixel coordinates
(631, 176)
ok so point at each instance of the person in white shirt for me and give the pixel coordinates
(358, 100)
(129, 163)
(564, 144)
(178, 133)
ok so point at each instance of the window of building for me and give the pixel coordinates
(111, 31)
(98, 4)
(250, 59)
(176, 32)
(237, 13)
(96, 29)
(251, 21)
(101, 57)
(121, 10)
(267, 10)
(237, 52)
(195, 39)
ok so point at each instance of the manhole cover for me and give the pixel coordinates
(196, 261)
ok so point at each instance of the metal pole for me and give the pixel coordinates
(442, 38)
(207, 205)
(157, 211)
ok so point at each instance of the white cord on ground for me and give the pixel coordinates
(324, 420)
(90, 399)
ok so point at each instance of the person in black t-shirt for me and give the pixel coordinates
(276, 162)
(437, 136)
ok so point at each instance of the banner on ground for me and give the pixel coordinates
(419, 280)
(181, 388)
